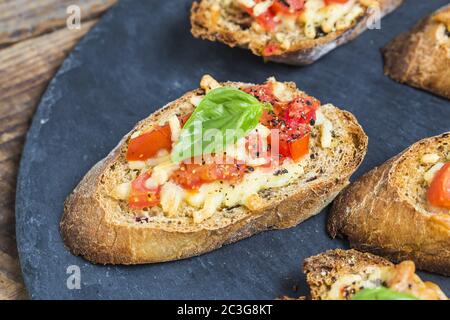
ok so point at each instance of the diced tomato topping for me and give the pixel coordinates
(271, 49)
(266, 20)
(147, 145)
(299, 148)
(192, 175)
(263, 93)
(293, 119)
(287, 6)
(328, 2)
(302, 110)
(439, 191)
(141, 196)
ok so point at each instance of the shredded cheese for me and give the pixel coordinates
(136, 165)
(122, 191)
(429, 175)
(326, 129)
(171, 197)
(262, 7)
(195, 100)
(430, 158)
(161, 174)
(175, 128)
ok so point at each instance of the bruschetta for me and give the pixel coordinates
(353, 275)
(421, 57)
(296, 32)
(401, 210)
(168, 191)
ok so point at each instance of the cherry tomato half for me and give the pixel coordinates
(439, 192)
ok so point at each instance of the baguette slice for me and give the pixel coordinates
(211, 21)
(104, 230)
(386, 211)
(339, 274)
(421, 57)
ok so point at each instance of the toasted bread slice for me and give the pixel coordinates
(386, 212)
(340, 274)
(421, 57)
(105, 230)
(302, 41)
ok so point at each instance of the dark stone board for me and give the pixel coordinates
(142, 55)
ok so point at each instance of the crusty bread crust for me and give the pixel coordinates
(307, 52)
(375, 216)
(324, 269)
(416, 58)
(89, 230)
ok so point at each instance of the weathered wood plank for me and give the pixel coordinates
(10, 289)
(10, 267)
(25, 70)
(22, 19)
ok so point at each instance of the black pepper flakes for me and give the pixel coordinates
(280, 172)
(141, 219)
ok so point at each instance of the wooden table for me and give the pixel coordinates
(34, 40)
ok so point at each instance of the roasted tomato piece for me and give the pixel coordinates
(192, 175)
(439, 191)
(301, 110)
(289, 137)
(141, 196)
(293, 120)
(299, 148)
(147, 145)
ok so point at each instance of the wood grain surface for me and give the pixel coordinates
(34, 41)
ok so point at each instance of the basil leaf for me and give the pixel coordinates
(223, 116)
(382, 293)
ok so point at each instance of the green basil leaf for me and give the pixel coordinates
(381, 293)
(223, 116)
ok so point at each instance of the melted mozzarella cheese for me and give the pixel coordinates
(208, 195)
(213, 196)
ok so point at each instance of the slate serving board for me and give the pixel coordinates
(139, 57)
